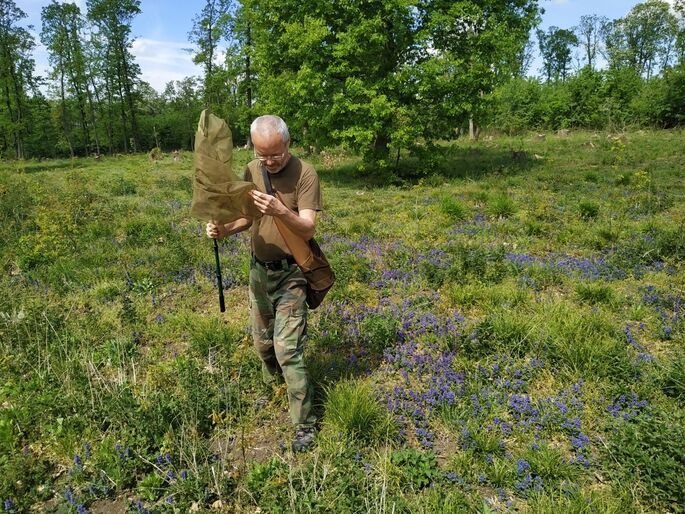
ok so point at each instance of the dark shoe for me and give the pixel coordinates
(304, 439)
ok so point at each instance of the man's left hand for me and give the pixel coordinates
(267, 204)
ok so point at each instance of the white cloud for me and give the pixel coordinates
(163, 61)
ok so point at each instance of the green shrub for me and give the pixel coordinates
(502, 206)
(453, 208)
(591, 177)
(595, 293)
(506, 330)
(588, 209)
(586, 343)
(352, 409)
(264, 479)
(551, 465)
(420, 469)
(379, 331)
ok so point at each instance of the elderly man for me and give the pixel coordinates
(278, 308)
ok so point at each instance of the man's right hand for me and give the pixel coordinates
(215, 231)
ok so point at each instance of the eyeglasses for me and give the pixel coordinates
(272, 158)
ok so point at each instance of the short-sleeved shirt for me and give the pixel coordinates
(298, 185)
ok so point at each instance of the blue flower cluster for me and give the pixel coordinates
(627, 406)
(71, 500)
(587, 268)
(668, 307)
(426, 367)
(642, 354)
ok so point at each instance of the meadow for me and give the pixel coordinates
(507, 334)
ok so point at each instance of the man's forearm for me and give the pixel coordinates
(303, 227)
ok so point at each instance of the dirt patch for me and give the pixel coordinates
(116, 506)
(258, 444)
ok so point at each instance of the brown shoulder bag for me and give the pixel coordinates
(307, 254)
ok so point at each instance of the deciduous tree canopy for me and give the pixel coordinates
(372, 76)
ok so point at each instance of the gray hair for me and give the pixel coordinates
(269, 124)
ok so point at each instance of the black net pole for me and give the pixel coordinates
(219, 282)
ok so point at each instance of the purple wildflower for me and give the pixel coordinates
(522, 466)
(580, 441)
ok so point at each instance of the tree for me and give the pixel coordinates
(590, 33)
(113, 20)
(240, 76)
(479, 45)
(375, 73)
(556, 49)
(16, 78)
(178, 120)
(645, 39)
(524, 59)
(209, 28)
(61, 34)
(679, 8)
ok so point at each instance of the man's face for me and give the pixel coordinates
(272, 152)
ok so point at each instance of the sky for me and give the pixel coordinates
(161, 32)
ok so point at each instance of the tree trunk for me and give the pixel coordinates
(474, 130)
(380, 147)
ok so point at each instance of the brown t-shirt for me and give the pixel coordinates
(298, 185)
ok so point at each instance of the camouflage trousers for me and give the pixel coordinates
(278, 314)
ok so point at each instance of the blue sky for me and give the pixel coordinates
(161, 31)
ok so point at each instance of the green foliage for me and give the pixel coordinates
(595, 293)
(115, 344)
(352, 409)
(556, 48)
(502, 206)
(211, 335)
(350, 267)
(453, 208)
(516, 105)
(266, 479)
(302, 53)
(649, 448)
(574, 500)
(585, 342)
(588, 209)
(420, 469)
(551, 465)
(672, 377)
(378, 331)
(469, 262)
(673, 107)
(510, 330)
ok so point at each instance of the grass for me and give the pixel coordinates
(506, 334)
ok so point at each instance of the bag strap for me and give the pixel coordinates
(267, 181)
(299, 248)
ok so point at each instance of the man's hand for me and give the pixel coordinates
(267, 204)
(219, 231)
(215, 231)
